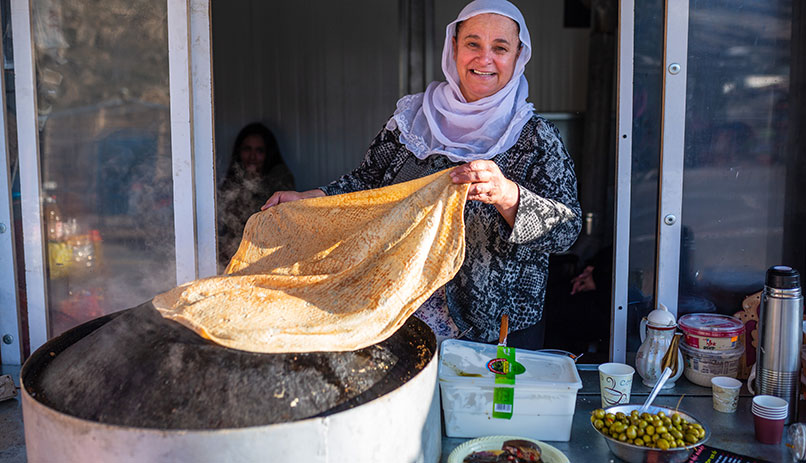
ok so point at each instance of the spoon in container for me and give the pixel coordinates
(661, 381)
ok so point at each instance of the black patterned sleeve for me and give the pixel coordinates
(549, 215)
(370, 173)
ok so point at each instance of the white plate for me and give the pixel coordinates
(549, 453)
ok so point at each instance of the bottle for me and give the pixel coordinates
(780, 328)
(53, 219)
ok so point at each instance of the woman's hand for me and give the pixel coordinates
(489, 186)
(583, 282)
(288, 196)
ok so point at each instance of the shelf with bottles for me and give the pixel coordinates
(72, 249)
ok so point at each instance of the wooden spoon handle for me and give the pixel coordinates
(502, 335)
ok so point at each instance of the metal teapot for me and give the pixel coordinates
(657, 330)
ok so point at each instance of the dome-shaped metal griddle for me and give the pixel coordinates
(135, 368)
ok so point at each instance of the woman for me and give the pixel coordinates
(522, 204)
(256, 171)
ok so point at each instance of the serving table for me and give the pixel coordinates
(729, 431)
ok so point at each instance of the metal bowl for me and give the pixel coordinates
(635, 454)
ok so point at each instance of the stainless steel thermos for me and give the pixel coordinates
(780, 328)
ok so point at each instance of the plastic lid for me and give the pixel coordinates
(782, 277)
(711, 325)
(467, 362)
(660, 317)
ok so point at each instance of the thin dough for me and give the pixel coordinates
(335, 273)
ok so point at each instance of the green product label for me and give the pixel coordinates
(505, 368)
(503, 399)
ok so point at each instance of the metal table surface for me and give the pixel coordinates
(729, 431)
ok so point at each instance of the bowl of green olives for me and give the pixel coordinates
(660, 434)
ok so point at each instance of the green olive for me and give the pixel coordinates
(638, 441)
(631, 432)
(662, 444)
(650, 430)
(599, 413)
(642, 424)
(598, 424)
(691, 438)
(681, 443)
(641, 432)
(661, 429)
(622, 437)
(660, 414)
(621, 416)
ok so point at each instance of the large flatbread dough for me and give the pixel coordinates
(335, 273)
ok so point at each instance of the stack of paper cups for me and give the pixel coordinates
(769, 414)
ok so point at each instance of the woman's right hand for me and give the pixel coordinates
(288, 196)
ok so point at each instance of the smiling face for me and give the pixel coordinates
(253, 153)
(486, 48)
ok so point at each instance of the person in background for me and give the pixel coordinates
(256, 171)
(522, 202)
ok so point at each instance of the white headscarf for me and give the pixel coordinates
(441, 121)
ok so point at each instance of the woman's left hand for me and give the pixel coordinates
(489, 186)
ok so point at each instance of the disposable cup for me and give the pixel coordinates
(615, 383)
(768, 431)
(771, 416)
(726, 393)
(770, 404)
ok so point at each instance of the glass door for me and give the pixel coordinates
(735, 182)
(109, 180)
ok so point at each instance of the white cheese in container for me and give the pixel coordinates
(544, 393)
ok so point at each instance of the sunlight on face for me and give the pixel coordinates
(486, 50)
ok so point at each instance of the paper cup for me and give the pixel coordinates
(768, 431)
(615, 383)
(726, 393)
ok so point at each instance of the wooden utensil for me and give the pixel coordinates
(670, 358)
(502, 334)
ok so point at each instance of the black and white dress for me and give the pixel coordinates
(505, 268)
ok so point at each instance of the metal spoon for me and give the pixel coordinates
(661, 381)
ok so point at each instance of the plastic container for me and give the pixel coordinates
(711, 331)
(544, 393)
(702, 365)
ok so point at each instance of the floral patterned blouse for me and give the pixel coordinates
(505, 268)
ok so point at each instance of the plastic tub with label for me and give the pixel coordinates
(702, 365)
(711, 331)
(535, 397)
